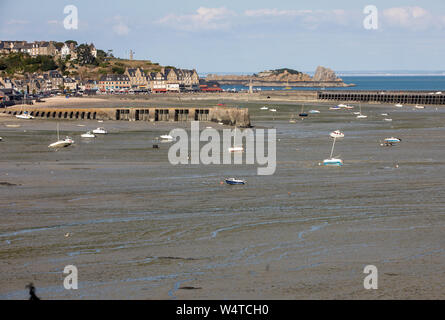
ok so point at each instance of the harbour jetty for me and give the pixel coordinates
(405, 97)
(221, 114)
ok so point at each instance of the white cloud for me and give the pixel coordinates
(203, 19)
(308, 19)
(276, 13)
(120, 27)
(17, 22)
(414, 18)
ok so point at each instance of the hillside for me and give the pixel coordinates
(17, 65)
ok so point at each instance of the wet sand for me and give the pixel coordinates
(140, 228)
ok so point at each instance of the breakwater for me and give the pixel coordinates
(226, 115)
(411, 97)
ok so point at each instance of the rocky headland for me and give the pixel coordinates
(323, 77)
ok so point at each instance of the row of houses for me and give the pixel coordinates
(167, 80)
(50, 81)
(43, 48)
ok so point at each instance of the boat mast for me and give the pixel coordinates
(333, 144)
(58, 138)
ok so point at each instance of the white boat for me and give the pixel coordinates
(393, 140)
(387, 119)
(24, 116)
(1, 139)
(337, 134)
(356, 113)
(273, 110)
(234, 181)
(439, 92)
(333, 161)
(89, 134)
(264, 108)
(384, 114)
(100, 131)
(361, 116)
(314, 111)
(341, 105)
(167, 137)
(334, 108)
(61, 143)
(399, 105)
(419, 107)
(236, 148)
(349, 107)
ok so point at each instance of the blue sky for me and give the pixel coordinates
(244, 36)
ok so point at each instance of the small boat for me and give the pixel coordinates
(273, 110)
(314, 111)
(419, 107)
(337, 134)
(303, 114)
(264, 108)
(333, 161)
(24, 116)
(233, 181)
(384, 114)
(349, 107)
(341, 105)
(334, 108)
(361, 116)
(100, 121)
(292, 119)
(399, 105)
(392, 140)
(356, 113)
(236, 148)
(387, 119)
(1, 139)
(100, 131)
(13, 126)
(167, 137)
(61, 143)
(89, 134)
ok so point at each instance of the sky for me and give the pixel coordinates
(244, 36)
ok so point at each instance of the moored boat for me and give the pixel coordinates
(337, 134)
(234, 181)
(88, 135)
(100, 131)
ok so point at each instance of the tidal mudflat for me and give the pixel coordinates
(137, 227)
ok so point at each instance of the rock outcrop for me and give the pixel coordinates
(324, 77)
(325, 74)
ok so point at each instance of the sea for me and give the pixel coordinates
(390, 83)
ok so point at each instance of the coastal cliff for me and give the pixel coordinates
(323, 77)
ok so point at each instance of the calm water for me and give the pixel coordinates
(140, 227)
(412, 83)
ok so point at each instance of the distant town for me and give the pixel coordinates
(43, 68)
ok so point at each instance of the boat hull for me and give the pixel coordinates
(333, 162)
(235, 182)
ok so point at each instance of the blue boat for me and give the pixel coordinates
(233, 181)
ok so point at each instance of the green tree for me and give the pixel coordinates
(84, 55)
